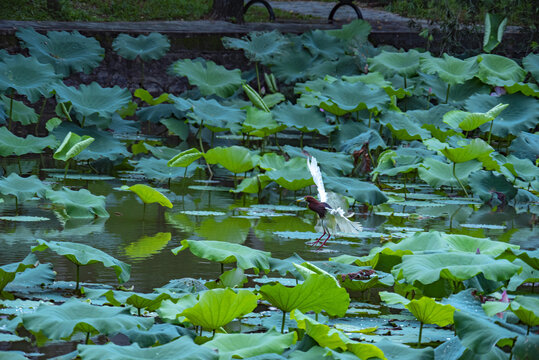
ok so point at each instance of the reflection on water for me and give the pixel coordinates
(145, 239)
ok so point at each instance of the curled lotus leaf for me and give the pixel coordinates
(185, 158)
(78, 204)
(72, 145)
(258, 46)
(494, 69)
(22, 188)
(450, 69)
(390, 63)
(150, 195)
(236, 159)
(302, 118)
(11, 144)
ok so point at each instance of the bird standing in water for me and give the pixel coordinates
(330, 216)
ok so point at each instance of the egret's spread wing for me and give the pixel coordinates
(343, 224)
(312, 164)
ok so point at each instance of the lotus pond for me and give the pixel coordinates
(138, 225)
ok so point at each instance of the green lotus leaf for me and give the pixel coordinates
(81, 254)
(158, 334)
(215, 116)
(495, 69)
(253, 185)
(146, 246)
(450, 69)
(475, 149)
(391, 163)
(11, 144)
(303, 119)
(393, 350)
(335, 339)
(91, 101)
(357, 30)
(105, 145)
(185, 158)
(332, 163)
(341, 97)
(258, 46)
(318, 293)
(527, 309)
(271, 161)
(180, 349)
(528, 89)
(403, 126)
(361, 191)
(470, 121)
(437, 173)
(176, 127)
(381, 279)
(9, 271)
(457, 93)
(149, 195)
(531, 64)
(20, 112)
(78, 204)
(494, 28)
(429, 268)
(170, 311)
(148, 47)
(486, 184)
(236, 159)
(22, 188)
(296, 63)
(320, 43)
(63, 321)
(72, 145)
(234, 278)
(528, 274)
(218, 307)
(158, 169)
(389, 63)
(67, 52)
(426, 309)
(227, 253)
(273, 99)
(526, 145)
(494, 307)
(208, 76)
(251, 345)
(26, 76)
(522, 114)
(478, 334)
(145, 96)
(159, 112)
(293, 175)
(151, 302)
(260, 123)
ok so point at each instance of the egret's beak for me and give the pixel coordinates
(300, 200)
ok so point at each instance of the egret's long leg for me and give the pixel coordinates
(325, 230)
(318, 240)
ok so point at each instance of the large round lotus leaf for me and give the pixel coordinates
(297, 63)
(332, 163)
(156, 113)
(293, 175)
(318, 293)
(361, 191)
(468, 121)
(457, 93)
(11, 144)
(429, 268)
(149, 195)
(208, 76)
(320, 43)
(341, 97)
(72, 145)
(257, 45)
(158, 169)
(236, 159)
(67, 52)
(531, 64)
(227, 253)
(149, 47)
(527, 309)
(476, 149)
(488, 185)
(479, 334)
(9, 271)
(22, 188)
(393, 350)
(426, 309)
(218, 307)
(78, 204)
(251, 345)
(496, 69)
(331, 338)
(522, 114)
(301, 118)
(93, 99)
(526, 145)
(391, 63)
(404, 126)
(528, 89)
(450, 69)
(252, 185)
(215, 115)
(26, 76)
(181, 349)
(260, 123)
(20, 112)
(62, 321)
(357, 30)
(81, 254)
(437, 173)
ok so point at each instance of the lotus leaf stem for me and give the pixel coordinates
(447, 93)
(41, 114)
(528, 331)
(77, 276)
(370, 117)
(455, 175)
(222, 268)
(282, 323)
(10, 111)
(405, 86)
(490, 131)
(420, 334)
(65, 170)
(87, 338)
(257, 76)
(301, 140)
